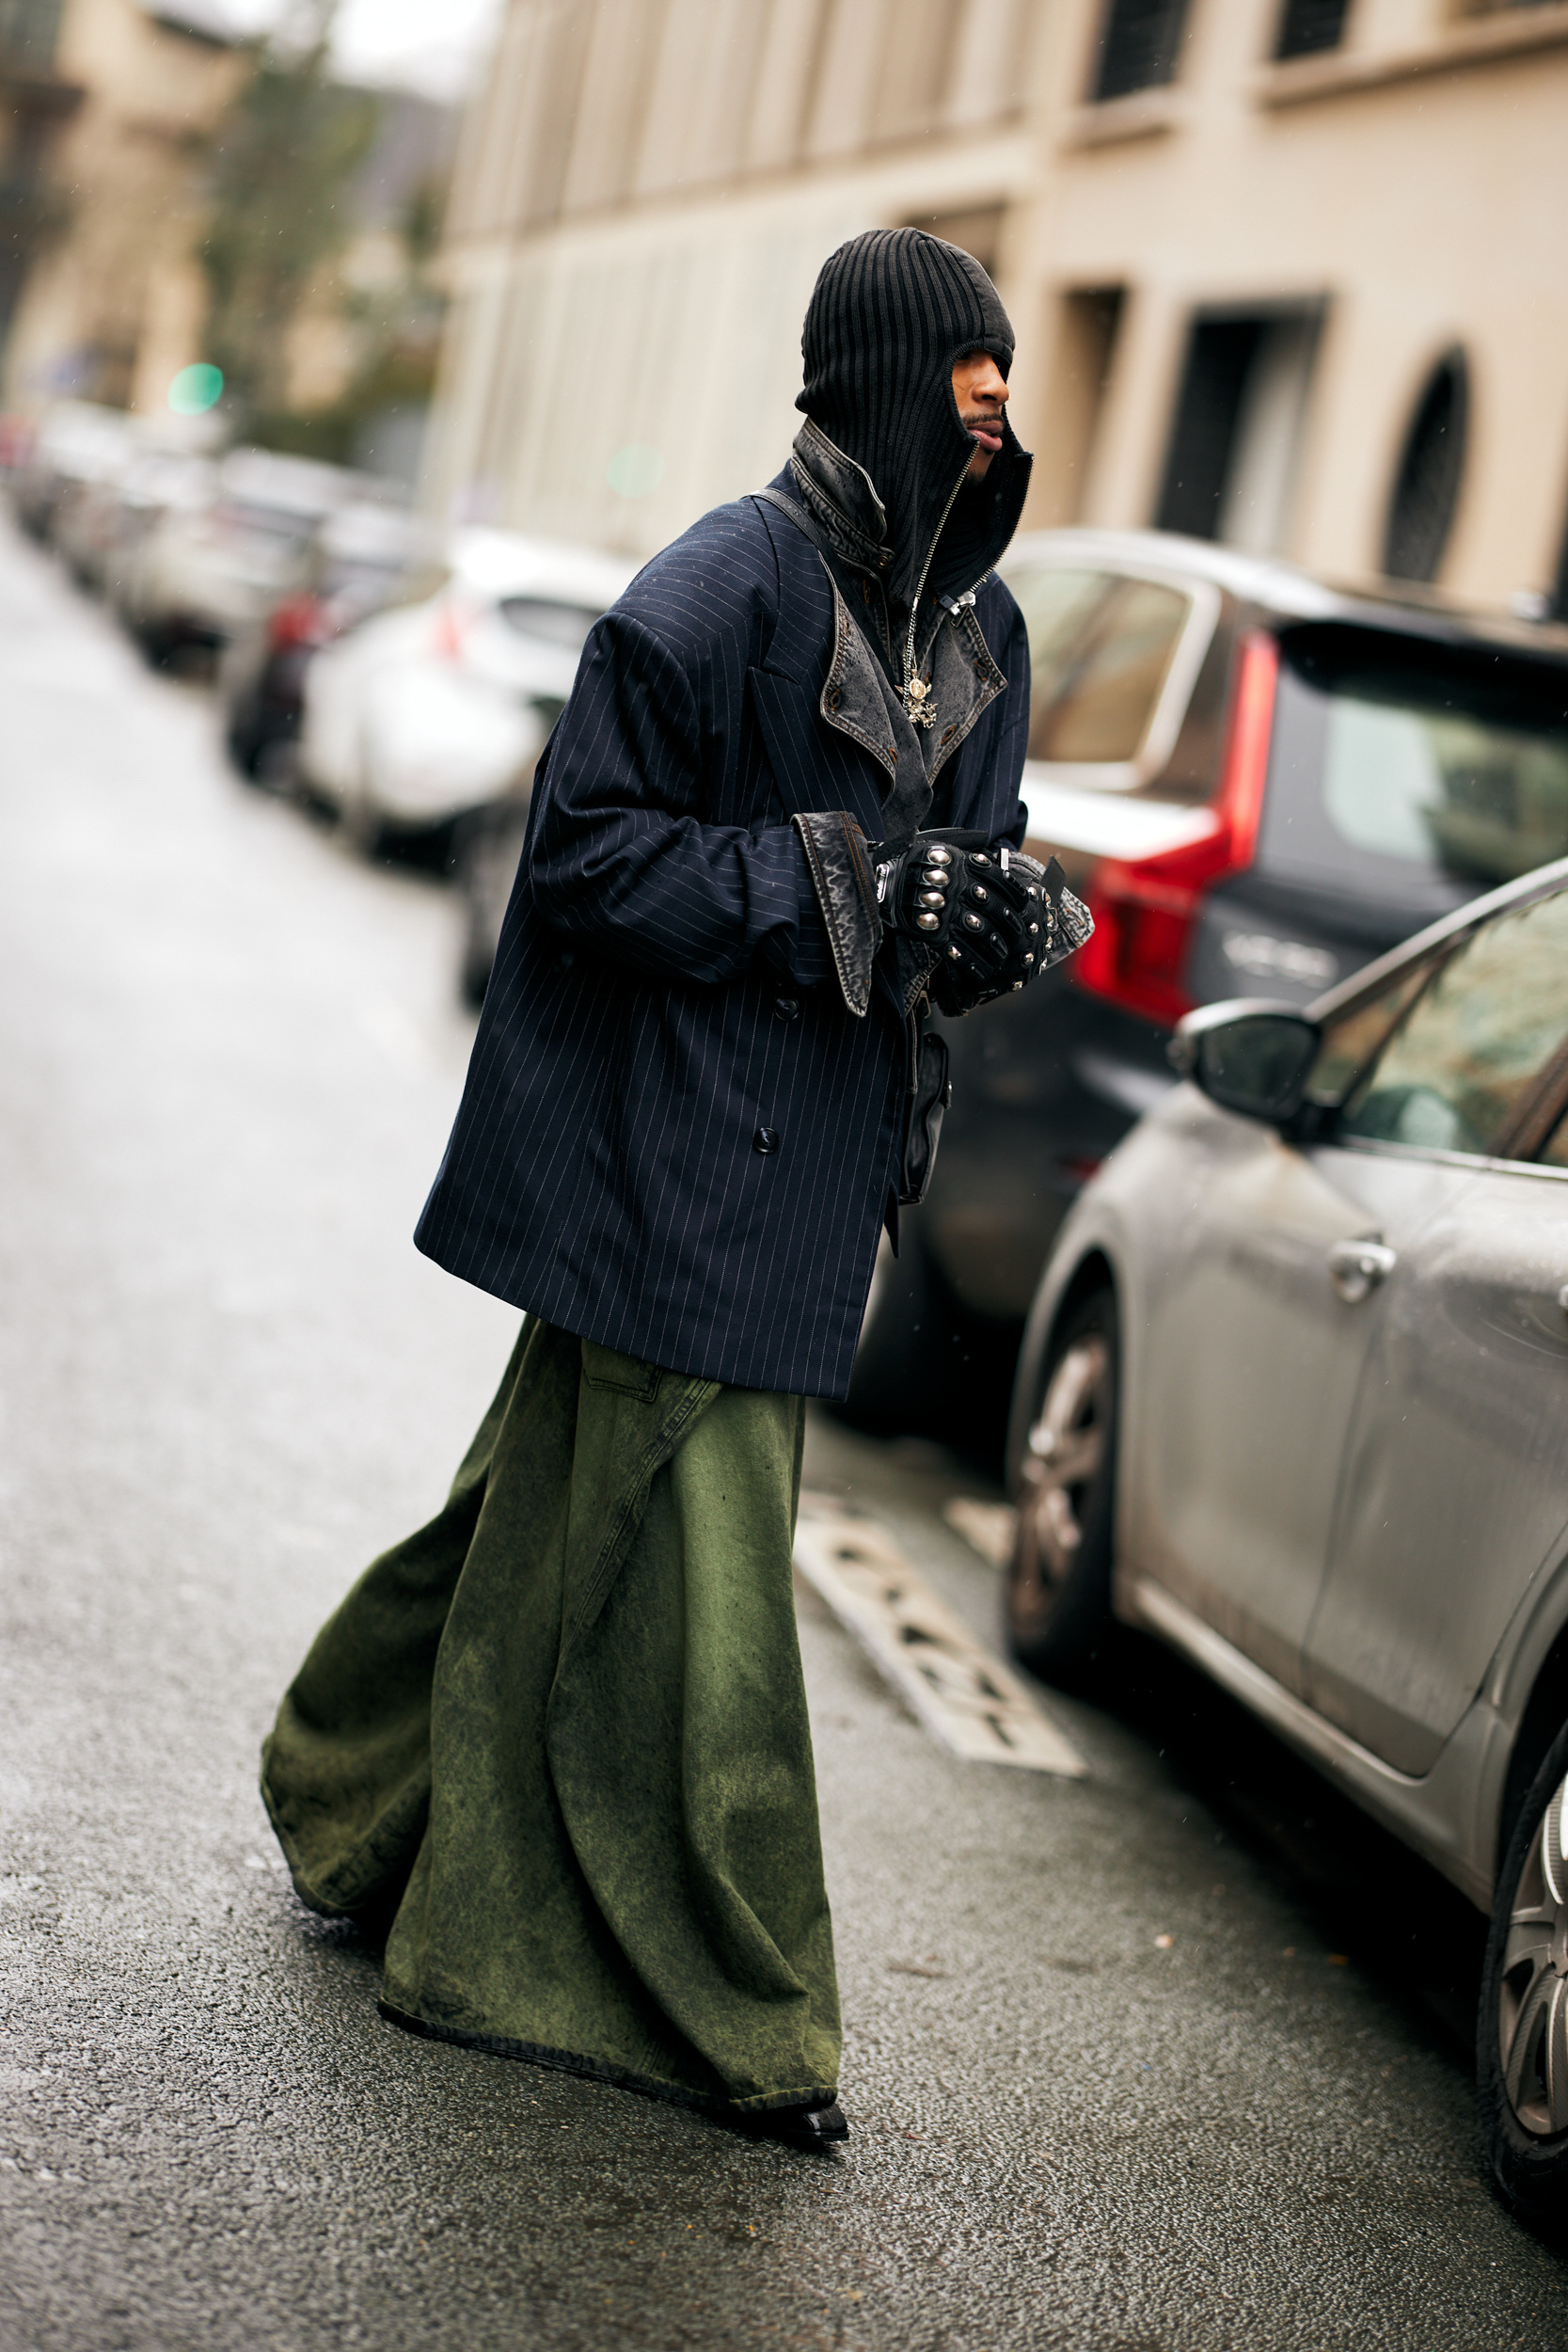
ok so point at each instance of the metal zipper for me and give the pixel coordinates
(914, 601)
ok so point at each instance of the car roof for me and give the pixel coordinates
(506, 564)
(1287, 592)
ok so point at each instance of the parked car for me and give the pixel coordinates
(198, 578)
(76, 443)
(486, 853)
(429, 712)
(362, 558)
(1254, 779)
(98, 524)
(1294, 1396)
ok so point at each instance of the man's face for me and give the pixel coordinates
(981, 395)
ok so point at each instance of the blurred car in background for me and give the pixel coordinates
(428, 713)
(98, 524)
(201, 578)
(360, 560)
(77, 444)
(1293, 1394)
(487, 850)
(1254, 779)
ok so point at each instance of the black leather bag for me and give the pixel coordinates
(931, 1095)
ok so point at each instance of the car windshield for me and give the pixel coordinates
(550, 622)
(1421, 770)
(1099, 648)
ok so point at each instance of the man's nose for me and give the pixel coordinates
(992, 384)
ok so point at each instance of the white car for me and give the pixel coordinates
(1294, 1396)
(441, 707)
(202, 576)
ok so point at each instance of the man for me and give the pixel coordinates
(560, 1735)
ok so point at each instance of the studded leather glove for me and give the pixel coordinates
(994, 918)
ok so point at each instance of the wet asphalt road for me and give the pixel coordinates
(228, 1059)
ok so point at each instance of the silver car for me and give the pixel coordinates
(1294, 1396)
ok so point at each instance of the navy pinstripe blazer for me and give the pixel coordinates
(664, 988)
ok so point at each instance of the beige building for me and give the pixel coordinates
(1285, 272)
(113, 303)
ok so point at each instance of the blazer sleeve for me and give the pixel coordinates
(619, 855)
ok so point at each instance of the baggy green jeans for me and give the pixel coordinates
(564, 1729)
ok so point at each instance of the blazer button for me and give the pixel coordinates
(787, 1008)
(765, 1140)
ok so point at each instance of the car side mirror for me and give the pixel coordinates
(1248, 1056)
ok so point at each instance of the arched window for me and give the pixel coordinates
(1426, 487)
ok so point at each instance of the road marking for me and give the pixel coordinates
(988, 1528)
(974, 1704)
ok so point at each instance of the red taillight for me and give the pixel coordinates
(1144, 912)
(297, 621)
(450, 633)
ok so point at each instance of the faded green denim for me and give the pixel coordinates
(563, 1728)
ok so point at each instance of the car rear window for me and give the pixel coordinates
(551, 622)
(1415, 772)
(1099, 650)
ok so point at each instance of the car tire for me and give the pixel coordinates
(360, 830)
(1057, 1596)
(1522, 2030)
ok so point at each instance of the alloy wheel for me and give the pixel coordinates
(1532, 2000)
(1066, 1447)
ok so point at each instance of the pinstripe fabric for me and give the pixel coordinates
(637, 1032)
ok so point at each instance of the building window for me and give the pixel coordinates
(1088, 324)
(978, 230)
(1140, 41)
(1308, 26)
(1238, 426)
(1426, 487)
(28, 32)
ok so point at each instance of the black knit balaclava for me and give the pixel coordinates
(890, 313)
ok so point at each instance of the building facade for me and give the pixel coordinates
(110, 299)
(1283, 272)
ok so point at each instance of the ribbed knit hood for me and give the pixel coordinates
(890, 313)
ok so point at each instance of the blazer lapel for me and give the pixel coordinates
(813, 766)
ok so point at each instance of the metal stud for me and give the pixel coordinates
(929, 922)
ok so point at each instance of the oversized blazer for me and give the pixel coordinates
(675, 1138)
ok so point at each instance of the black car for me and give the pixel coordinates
(1259, 782)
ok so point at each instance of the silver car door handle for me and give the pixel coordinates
(1355, 1267)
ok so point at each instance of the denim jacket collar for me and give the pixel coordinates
(842, 498)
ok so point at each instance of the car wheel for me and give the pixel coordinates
(1522, 2031)
(362, 830)
(1058, 1591)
